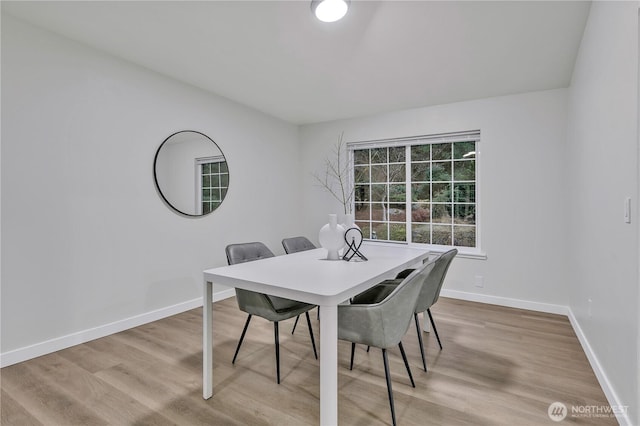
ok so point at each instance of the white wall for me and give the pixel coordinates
(602, 153)
(520, 186)
(86, 240)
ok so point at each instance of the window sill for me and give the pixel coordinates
(463, 252)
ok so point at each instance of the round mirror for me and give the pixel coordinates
(191, 173)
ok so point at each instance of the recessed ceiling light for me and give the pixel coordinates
(329, 10)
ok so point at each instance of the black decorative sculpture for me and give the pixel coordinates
(353, 248)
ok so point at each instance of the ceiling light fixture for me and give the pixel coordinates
(329, 10)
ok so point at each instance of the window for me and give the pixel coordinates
(213, 180)
(417, 190)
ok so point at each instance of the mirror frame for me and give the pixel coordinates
(157, 184)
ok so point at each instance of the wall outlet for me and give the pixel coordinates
(479, 281)
(589, 303)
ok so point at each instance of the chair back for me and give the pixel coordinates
(250, 301)
(296, 244)
(383, 324)
(247, 252)
(433, 282)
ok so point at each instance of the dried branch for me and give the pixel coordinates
(335, 179)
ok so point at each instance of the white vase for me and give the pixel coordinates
(331, 237)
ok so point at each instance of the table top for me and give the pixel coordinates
(308, 277)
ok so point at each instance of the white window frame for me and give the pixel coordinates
(466, 136)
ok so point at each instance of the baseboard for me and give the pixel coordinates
(505, 301)
(603, 380)
(43, 348)
(609, 392)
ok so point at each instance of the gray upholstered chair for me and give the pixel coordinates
(294, 245)
(272, 308)
(428, 295)
(382, 324)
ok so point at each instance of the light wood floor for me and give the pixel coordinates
(499, 366)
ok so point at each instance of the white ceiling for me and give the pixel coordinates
(384, 56)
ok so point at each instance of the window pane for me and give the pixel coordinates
(206, 181)
(421, 212)
(223, 192)
(362, 192)
(421, 234)
(440, 172)
(224, 180)
(215, 167)
(396, 154)
(464, 214)
(362, 211)
(441, 192)
(206, 169)
(397, 173)
(420, 172)
(379, 155)
(379, 231)
(378, 211)
(441, 151)
(420, 152)
(215, 181)
(420, 192)
(215, 205)
(365, 227)
(462, 148)
(361, 174)
(464, 170)
(379, 173)
(441, 213)
(206, 195)
(464, 192)
(206, 208)
(442, 235)
(464, 236)
(223, 167)
(215, 195)
(397, 232)
(379, 192)
(398, 193)
(361, 156)
(397, 212)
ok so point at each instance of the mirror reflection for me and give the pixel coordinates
(191, 173)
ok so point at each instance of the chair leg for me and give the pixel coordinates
(353, 351)
(313, 341)
(244, 330)
(275, 333)
(389, 388)
(424, 362)
(435, 330)
(295, 324)
(406, 364)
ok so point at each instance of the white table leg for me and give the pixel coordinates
(329, 366)
(426, 325)
(207, 341)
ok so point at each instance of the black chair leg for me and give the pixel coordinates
(435, 330)
(275, 333)
(295, 324)
(389, 388)
(244, 330)
(406, 364)
(353, 351)
(313, 341)
(419, 331)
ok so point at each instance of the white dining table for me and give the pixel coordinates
(308, 277)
